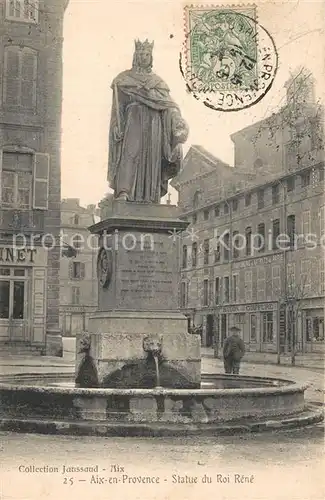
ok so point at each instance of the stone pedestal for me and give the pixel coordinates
(139, 293)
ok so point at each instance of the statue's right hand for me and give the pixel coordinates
(118, 136)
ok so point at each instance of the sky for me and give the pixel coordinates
(98, 44)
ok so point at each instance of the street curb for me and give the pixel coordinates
(109, 429)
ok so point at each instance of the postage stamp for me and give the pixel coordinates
(229, 61)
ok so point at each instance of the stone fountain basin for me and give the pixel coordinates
(250, 399)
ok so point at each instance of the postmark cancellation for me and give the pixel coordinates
(229, 60)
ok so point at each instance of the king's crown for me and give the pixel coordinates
(146, 45)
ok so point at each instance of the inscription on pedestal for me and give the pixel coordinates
(148, 276)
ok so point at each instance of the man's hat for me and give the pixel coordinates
(234, 329)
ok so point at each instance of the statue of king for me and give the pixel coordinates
(146, 132)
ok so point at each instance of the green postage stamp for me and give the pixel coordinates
(228, 60)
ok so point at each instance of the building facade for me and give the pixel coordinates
(78, 269)
(30, 142)
(253, 254)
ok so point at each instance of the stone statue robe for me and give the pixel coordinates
(145, 144)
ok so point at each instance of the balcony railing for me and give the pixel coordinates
(21, 221)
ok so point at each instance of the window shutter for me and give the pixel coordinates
(71, 270)
(1, 155)
(82, 270)
(28, 78)
(41, 181)
(11, 88)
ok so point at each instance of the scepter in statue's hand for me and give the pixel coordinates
(117, 131)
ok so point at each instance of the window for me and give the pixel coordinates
(194, 254)
(22, 10)
(290, 184)
(78, 270)
(226, 289)
(183, 294)
(20, 77)
(205, 292)
(13, 289)
(291, 228)
(261, 237)
(260, 198)
(306, 222)
(184, 257)
(76, 241)
(261, 283)
(235, 244)
(196, 199)
(276, 281)
(248, 286)
(217, 211)
(252, 329)
(291, 275)
(194, 218)
(275, 234)
(235, 287)
(75, 295)
(305, 179)
(305, 274)
(235, 205)
(76, 220)
(248, 240)
(267, 327)
(248, 199)
(226, 248)
(206, 214)
(217, 254)
(321, 174)
(206, 251)
(16, 180)
(226, 208)
(217, 291)
(275, 194)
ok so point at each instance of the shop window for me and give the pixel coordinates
(22, 10)
(184, 257)
(239, 319)
(194, 254)
(12, 293)
(20, 77)
(252, 329)
(267, 327)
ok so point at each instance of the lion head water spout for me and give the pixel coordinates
(152, 344)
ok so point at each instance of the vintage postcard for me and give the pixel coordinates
(162, 236)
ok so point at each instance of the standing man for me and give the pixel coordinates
(233, 351)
